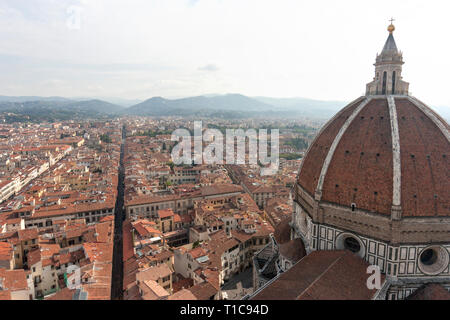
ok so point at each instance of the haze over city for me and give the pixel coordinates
(139, 49)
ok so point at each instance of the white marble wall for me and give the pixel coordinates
(400, 263)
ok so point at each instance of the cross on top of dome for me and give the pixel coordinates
(391, 27)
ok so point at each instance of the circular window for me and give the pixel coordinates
(433, 260)
(348, 241)
(428, 257)
(352, 244)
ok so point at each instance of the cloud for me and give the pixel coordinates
(209, 67)
(285, 48)
(192, 3)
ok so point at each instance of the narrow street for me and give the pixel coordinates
(117, 264)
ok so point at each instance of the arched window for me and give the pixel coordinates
(393, 82)
(384, 82)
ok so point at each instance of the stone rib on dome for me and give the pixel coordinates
(318, 150)
(361, 167)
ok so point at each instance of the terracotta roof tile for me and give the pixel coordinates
(430, 291)
(322, 275)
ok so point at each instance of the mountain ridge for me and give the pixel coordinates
(158, 106)
(231, 106)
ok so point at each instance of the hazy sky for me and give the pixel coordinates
(175, 48)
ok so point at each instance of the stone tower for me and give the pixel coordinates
(388, 70)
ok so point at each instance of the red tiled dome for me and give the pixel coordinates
(282, 232)
(379, 153)
(293, 250)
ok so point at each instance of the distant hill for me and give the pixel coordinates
(228, 106)
(59, 109)
(237, 106)
(305, 107)
(117, 101)
(122, 102)
(158, 106)
(96, 105)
